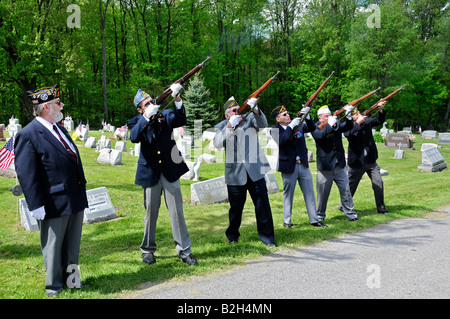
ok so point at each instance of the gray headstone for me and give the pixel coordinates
(271, 183)
(121, 146)
(2, 127)
(108, 156)
(394, 140)
(91, 142)
(432, 161)
(210, 191)
(429, 134)
(100, 206)
(444, 138)
(399, 154)
(426, 146)
(27, 221)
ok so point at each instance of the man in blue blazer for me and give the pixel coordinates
(51, 176)
(293, 162)
(160, 167)
(331, 164)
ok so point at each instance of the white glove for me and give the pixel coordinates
(176, 88)
(252, 102)
(348, 109)
(151, 110)
(332, 121)
(294, 123)
(234, 120)
(305, 110)
(38, 213)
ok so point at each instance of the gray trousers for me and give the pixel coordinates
(324, 182)
(373, 171)
(60, 245)
(174, 203)
(303, 176)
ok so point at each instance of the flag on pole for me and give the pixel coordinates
(7, 154)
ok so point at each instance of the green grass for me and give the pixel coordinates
(110, 259)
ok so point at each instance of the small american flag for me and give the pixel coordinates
(7, 154)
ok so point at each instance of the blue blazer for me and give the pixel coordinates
(289, 149)
(159, 152)
(47, 174)
(329, 145)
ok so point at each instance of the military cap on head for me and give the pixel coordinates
(279, 109)
(140, 96)
(230, 103)
(44, 95)
(323, 110)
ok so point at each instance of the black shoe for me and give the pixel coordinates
(383, 212)
(189, 260)
(319, 224)
(233, 241)
(148, 258)
(353, 219)
(287, 225)
(271, 245)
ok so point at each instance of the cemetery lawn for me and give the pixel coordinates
(110, 259)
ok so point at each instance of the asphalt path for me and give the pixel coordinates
(404, 259)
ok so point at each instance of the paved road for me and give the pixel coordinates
(404, 259)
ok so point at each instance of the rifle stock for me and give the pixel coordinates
(375, 106)
(181, 81)
(353, 103)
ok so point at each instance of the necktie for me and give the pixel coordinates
(72, 154)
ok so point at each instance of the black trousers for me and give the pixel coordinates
(237, 195)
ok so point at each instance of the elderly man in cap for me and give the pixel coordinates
(51, 176)
(293, 161)
(160, 166)
(245, 168)
(331, 164)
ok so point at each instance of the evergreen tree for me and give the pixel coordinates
(198, 105)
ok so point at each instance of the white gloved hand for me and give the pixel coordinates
(305, 110)
(38, 213)
(234, 120)
(252, 102)
(151, 110)
(348, 109)
(294, 123)
(332, 121)
(176, 88)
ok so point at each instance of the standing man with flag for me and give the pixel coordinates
(51, 176)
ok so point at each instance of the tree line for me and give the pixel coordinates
(102, 51)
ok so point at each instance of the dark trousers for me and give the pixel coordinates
(373, 171)
(237, 195)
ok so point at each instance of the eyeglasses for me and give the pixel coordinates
(284, 114)
(234, 110)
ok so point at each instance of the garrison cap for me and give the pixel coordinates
(323, 110)
(44, 94)
(230, 103)
(139, 97)
(279, 109)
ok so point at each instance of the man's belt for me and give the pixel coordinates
(298, 162)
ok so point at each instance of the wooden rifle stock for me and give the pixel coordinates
(375, 106)
(308, 103)
(181, 81)
(257, 93)
(353, 103)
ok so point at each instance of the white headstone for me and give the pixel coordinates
(210, 191)
(28, 222)
(91, 142)
(100, 206)
(432, 161)
(109, 156)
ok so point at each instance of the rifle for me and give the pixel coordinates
(168, 91)
(373, 107)
(255, 94)
(308, 103)
(353, 103)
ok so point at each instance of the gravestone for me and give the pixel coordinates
(210, 191)
(444, 138)
(108, 156)
(2, 127)
(429, 134)
(121, 146)
(68, 124)
(91, 142)
(28, 222)
(384, 129)
(82, 133)
(426, 146)
(432, 161)
(399, 154)
(271, 183)
(395, 140)
(100, 206)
